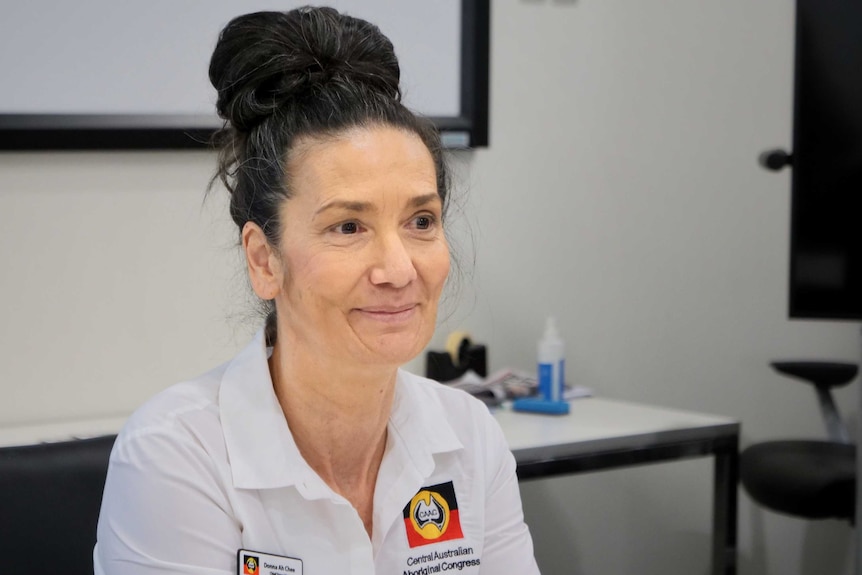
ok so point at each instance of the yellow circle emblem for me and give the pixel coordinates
(429, 514)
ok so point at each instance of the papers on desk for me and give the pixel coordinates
(577, 392)
(507, 384)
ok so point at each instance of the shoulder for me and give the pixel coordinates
(182, 413)
(469, 418)
(422, 389)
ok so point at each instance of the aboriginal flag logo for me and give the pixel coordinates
(250, 566)
(432, 516)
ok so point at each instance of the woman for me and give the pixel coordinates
(311, 452)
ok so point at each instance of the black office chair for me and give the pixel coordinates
(50, 495)
(807, 478)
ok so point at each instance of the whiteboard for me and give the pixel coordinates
(130, 66)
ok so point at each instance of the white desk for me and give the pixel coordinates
(606, 434)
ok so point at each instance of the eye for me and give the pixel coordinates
(347, 228)
(424, 222)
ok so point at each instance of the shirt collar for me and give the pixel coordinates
(260, 446)
(421, 421)
(261, 449)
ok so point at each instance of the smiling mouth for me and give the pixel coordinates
(389, 314)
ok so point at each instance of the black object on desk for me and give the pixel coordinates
(440, 367)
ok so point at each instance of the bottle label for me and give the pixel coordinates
(551, 381)
(546, 377)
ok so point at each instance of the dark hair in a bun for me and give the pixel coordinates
(307, 72)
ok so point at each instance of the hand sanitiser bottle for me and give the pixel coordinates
(551, 375)
(552, 363)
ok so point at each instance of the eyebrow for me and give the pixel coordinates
(347, 205)
(356, 206)
(424, 199)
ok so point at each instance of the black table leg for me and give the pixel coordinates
(724, 508)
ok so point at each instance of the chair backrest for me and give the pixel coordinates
(50, 495)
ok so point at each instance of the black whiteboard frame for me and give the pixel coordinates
(30, 132)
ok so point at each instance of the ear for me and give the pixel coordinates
(264, 263)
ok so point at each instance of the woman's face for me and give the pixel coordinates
(363, 254)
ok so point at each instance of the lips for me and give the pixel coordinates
(384, 309)
(389, 313)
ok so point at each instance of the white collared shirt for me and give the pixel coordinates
(209, 467)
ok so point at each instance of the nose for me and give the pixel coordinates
(393, 263)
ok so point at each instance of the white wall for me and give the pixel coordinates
(620, 193)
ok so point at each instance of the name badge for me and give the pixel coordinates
(256, 563)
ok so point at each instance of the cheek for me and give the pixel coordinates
(434, 267)
(319, 278)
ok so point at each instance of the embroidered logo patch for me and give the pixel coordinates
(250, 566)
(432, 516)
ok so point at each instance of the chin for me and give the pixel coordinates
(392, 345)
(395, 349)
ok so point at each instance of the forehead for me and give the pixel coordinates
(361, 160)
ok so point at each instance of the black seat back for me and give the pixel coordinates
(50, 495)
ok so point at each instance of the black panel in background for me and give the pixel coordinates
(826, 221)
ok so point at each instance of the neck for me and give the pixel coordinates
(337, 415)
